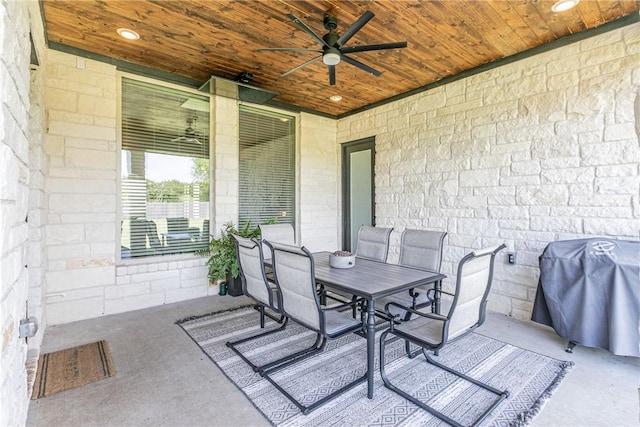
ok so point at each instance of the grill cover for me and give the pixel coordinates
(589, 292)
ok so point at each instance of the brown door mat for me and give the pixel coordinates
(72, 367)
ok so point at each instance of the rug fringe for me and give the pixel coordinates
(199, 316)
(525, 418)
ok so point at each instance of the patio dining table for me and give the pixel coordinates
(372, 280)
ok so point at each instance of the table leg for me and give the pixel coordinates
(436, 301)
(371, 346)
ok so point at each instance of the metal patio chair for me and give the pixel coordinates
(433, 331)
(256, 286)
(278, 233)
(373, 243)
(295, 277)
(421, 249)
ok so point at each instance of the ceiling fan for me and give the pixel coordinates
(333, 50)
(190, 134)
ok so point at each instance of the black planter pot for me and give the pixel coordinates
(234, 286)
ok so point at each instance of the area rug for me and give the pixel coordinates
(530, 377)
(72, 367)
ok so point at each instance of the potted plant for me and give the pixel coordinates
(222, 262)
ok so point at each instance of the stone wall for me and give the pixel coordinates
(80, 144)
(319, 183)
(21, 168)
(84, 277)
(542, 149)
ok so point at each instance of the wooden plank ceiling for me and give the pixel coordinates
(198, 39)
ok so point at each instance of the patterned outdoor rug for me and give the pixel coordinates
(72, 367)
(530, 377)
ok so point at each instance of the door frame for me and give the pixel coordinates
(347, 149)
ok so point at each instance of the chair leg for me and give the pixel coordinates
(285, 361)
(307, 409)
(269, 315)
(232, 344)
(501, 395)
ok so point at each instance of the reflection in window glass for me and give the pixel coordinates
(164, 181)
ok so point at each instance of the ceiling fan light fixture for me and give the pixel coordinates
(564, 5)
(128, 34)
(331, 56)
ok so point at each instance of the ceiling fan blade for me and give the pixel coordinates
(287, 49)
(306, 29)
(368, 47)
(332, 75)
(309, 62)
(361, 65)
(366, 17)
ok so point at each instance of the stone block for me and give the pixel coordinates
(594, 55)
(620, 132)
(66, 280)
(508, 212)
(71, 311)
(617, 227)
(565, 225)
(61, 234)
(126, 290)
(610, 153)
(82, 203)
(546, 195)
(480, 178)
(618, 185)
(568, 176)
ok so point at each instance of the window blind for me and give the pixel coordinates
(164, 183)
(267, 166)
(164, 120)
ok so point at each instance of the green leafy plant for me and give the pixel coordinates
(222, 250)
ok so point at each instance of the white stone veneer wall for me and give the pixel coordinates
(84, 279)
(539, 150)
(21, 170)
(319, 183)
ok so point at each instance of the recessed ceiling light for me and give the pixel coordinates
(335, 98)
(564, 5)
(128, 34)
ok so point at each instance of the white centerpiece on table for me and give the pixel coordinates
(342, 259)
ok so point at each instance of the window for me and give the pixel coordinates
(164, 183)
(267, 167)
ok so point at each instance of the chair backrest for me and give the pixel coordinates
(152, 234)
(205, 234)
(473, 283)
(373, 243)
(177, 225)
(422, 249)
(278, 233)
(293, 268)
(252, 272)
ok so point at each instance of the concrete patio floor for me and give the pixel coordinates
(164, 379)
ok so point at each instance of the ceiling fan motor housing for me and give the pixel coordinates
(330, 22)
(331, 39)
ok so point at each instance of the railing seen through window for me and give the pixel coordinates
(164, 181)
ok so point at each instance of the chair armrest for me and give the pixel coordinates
(416, 312)
(344, 305)
(431, 294)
